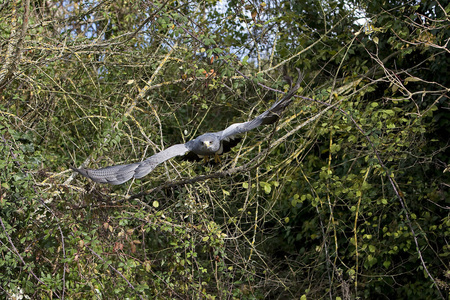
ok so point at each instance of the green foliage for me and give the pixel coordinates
(349, 201)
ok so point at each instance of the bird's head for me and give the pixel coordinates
(207, 143)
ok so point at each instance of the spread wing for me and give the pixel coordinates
(122, 173)
(268, 117)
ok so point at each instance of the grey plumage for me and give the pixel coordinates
(122, 173)
(210, 143)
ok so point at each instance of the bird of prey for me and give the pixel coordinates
(208, 144)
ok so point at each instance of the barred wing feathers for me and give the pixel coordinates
(122, 173)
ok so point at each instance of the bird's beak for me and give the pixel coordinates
(207, 144)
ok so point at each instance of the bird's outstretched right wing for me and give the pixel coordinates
(268, 117)
(122, 173)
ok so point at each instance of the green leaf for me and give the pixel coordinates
(411, 79)
(266, 186)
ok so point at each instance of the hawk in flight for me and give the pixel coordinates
(208, 144)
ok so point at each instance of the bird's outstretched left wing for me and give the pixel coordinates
(122, 173)
(112, 175)
(268, 117)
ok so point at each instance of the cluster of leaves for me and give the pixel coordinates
(347, 198)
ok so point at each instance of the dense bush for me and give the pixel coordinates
(346, 197)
